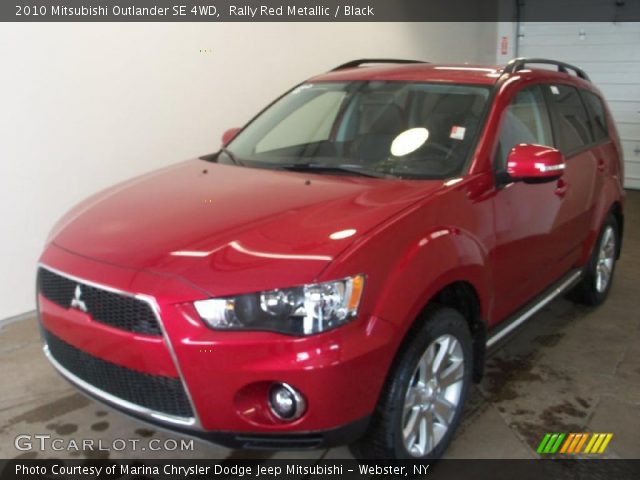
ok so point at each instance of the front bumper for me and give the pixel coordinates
(344, 434)
(225, 375)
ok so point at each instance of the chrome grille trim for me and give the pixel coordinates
(193, 422)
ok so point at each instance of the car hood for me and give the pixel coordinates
(229, 229)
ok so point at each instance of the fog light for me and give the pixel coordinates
(286, 402)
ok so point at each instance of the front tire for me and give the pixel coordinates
(595, 285)
(422, 401)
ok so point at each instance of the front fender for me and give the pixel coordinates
(441, 257)
(409, 260)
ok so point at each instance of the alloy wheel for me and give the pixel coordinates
(433, 395)
(606, 259)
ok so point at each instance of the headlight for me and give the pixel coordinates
(303, 310)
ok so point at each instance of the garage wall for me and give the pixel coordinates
(609, 52)
(87, 105)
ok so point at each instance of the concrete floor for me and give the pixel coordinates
(571, 369)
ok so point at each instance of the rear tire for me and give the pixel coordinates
(421, 403)
(595, 285)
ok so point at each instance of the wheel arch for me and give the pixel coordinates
(428, 277)
(462, 296)
(616, 211)
(611, 202)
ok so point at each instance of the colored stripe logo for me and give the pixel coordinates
(573, 443)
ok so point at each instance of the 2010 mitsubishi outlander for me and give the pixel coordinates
(337, 272)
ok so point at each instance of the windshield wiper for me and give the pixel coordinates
(323, 168)
(231, 156)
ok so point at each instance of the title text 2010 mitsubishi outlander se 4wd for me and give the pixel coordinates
(338, 270)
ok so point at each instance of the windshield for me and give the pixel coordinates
(377, 128)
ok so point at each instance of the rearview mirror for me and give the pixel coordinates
(229, 135)
(535, 163)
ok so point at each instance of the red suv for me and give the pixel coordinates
(340, 268)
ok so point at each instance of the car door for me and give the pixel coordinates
(584, 162)
(530, 251)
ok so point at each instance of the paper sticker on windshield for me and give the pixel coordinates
(457, 133)
(555, 90)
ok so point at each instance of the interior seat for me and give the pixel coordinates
(382, 123)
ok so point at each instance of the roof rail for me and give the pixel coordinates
(362, 61)
(520, 63)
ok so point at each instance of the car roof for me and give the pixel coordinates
(421, 72)
(434, 72)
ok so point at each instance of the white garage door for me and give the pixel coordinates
(610, 54)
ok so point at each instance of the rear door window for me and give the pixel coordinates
(572, 126)
(597, 118)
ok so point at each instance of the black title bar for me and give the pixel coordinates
(552, 469)
(317, 10)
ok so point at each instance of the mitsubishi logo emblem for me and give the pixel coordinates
(77, 302)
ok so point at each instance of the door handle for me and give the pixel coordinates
(601, 164)
(561, 188)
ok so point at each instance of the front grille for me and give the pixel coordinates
(110, 308)
(158, 393)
